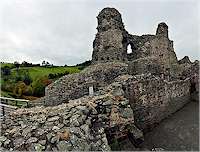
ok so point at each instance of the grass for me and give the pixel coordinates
(6, 94)
(10, 65)
(36, 72)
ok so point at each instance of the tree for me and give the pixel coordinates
(38, 88)
(17, 66)
(27, 79)
(43, 63)
(5, 70)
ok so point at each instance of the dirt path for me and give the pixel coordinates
(178, 132)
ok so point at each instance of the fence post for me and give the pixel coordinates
(3, 111)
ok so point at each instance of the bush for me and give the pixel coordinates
(27, 79)
(5, 71)
(28, 91)
(38, 88)
(19, 89)
(18, 78)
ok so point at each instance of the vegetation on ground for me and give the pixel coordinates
(29, 80)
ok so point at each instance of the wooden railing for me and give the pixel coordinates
(7, 105)
(14, 102)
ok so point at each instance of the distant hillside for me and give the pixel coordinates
(29, 81)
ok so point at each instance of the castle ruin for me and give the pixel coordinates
(131, 92)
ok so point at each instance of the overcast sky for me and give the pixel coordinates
(62, 31)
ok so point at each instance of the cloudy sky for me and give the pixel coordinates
(62, 31)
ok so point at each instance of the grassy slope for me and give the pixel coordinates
(36, 72)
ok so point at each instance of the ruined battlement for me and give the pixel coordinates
(112, 41)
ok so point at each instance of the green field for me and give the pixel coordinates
(36, 72)
(8, 82)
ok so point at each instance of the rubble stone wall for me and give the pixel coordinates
(154, 99)
(77, 85)
(79, 125)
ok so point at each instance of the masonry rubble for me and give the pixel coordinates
(80, 124)
(131, 93)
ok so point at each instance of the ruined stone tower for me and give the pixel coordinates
(108, 45)
(149, 52)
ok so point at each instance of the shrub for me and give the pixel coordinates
(38, 88)
(29, 91)
(20, 89)
(5, 71)
(27, 79)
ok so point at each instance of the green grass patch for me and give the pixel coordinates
(36, 72)
(10, 65)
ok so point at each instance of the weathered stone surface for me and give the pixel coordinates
(86, 128)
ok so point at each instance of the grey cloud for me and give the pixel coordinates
(62, 31)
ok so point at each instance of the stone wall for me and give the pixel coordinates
(153, 98)
(77, 85)
(84, 124)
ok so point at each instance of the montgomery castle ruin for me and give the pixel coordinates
(120, 96)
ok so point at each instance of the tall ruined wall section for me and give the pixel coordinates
(108, 46)
(153, 99)
(152, 52)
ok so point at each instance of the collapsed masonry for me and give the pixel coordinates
(132, 92)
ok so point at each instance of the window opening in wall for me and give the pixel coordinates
(129, 49)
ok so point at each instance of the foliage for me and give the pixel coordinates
(38, 87)
(57, 75)
(27, 79)
(5, 70)
(30, 79)
(16, 64)
(19, 89)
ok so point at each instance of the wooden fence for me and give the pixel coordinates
(7, 105)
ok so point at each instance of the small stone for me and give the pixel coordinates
(104, 140)
(39, 147)
(85, 128)
(55, 128)
(55, 139)
(42, 142)
(32, 140)
(54, 149)
(49, 136)
(127, 113)
(53, 118)
(2, 138)
(81, 119)
(66, 122)
(26, 131)
(40, 131)
(76, 131)
(124, 102)
(65, 135)
(107, 103)
(157, 149)
(18, 142)
(64, 146)
(7, 142)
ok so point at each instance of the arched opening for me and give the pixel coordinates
(129, 49)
